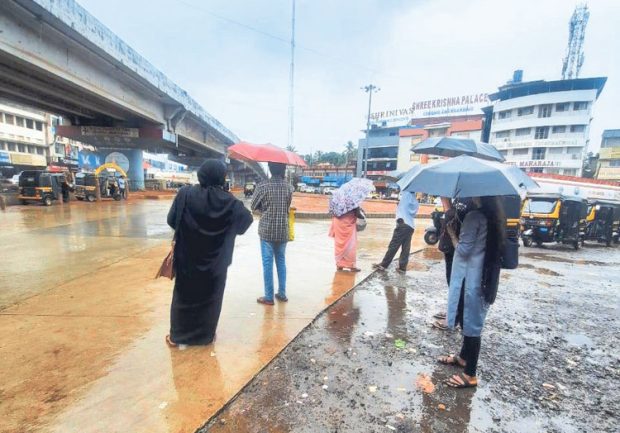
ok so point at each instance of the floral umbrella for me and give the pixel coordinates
(349, 196)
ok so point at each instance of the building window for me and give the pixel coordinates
(577, 128)
(21, 148)
(524, 111)
(544, 110)
(38, 126)
(8, 119)
(538, 153)
(556, 150)
(29, 123)
(504, 114)
(564, 106)
(502, 134)
(542, 133)
(582, 105)
(40, 151)
(504, 153)
(614, 163)
(383, 152)
(523, 131)
(19, 121)
(559, 129)
(536, 170)
(11, 147)
(520, 152)
(570, 172)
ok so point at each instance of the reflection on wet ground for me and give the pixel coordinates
(79, 302)
(548, 360)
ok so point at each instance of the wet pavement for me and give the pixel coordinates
(549, 360)
(83, 319)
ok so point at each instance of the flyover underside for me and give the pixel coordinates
(48, 65)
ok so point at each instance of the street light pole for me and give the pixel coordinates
(368, 89)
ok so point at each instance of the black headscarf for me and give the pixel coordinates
(212, 172)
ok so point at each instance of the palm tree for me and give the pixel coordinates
(291, 148)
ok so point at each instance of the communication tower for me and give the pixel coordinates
(576, 35)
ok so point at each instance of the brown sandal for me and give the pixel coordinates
(264, 301)
(451, 360)
(467, 383)
(440, 325)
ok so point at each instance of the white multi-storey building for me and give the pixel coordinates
(544, 126)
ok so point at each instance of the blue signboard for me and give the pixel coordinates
(5, 158)
(88, 160)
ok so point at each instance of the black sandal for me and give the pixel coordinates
(451, 360)
(466, 382)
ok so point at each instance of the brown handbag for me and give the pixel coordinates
(166, 269)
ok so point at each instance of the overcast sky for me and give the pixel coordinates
(232, 56)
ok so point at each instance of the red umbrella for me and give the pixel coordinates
(264, 153)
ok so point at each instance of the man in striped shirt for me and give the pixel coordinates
(272, 199)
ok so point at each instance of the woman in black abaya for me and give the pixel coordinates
(206, 220)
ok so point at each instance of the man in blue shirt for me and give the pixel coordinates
(405, 225)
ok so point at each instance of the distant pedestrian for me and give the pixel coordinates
(272, 199)
(344, 231)
(2, 203)
(401, 238)
(206, 220)
(474, 282)
(122, 186)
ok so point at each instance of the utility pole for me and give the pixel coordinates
(291, 95)
(368, 89)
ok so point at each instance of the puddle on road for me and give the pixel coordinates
(578, 340)
(550, 258)
(542, 271)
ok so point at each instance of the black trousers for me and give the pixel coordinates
(401, 238)
(448, 258)
(469, 353)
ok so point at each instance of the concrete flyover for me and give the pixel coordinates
(57, 57)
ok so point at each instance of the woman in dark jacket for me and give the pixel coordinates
(474, 282)
(206, 220)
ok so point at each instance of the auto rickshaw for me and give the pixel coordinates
(39, 185)
(86, 187)
(553, 218)
(248, 189)
(603, 221)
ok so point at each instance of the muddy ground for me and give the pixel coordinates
(549, 360)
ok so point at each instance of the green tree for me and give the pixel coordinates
(291, 147)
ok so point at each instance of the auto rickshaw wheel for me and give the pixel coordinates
(431, 238)
(527, 242)
(576, 245)
(47, 200)
(79, 198)
(24, 202)
(117, 197)
(91, 198)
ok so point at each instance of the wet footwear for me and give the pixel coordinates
(264, 301)
(401, 271)
(461, 381)
(451, 360)
(355, 270)
(281, 298)
(441, 315)
(440, 325)
(378, 267)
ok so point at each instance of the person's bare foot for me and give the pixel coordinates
(170, 342)
(462, 380)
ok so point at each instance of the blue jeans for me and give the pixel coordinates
(269, 251)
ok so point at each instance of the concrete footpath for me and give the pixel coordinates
(84, 320)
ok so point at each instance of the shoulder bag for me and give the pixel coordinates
(166, 269)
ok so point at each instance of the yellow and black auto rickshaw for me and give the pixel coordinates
(41, 186)
(553, 218)
(86, 186)
(603, 221)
